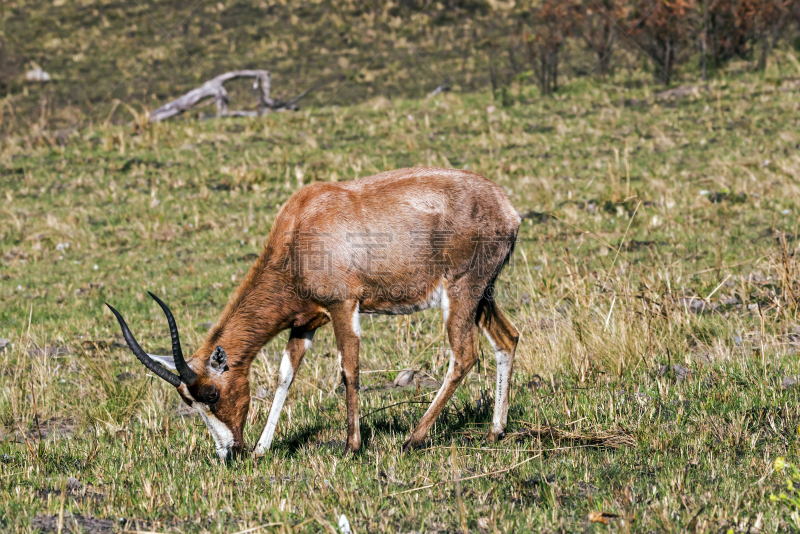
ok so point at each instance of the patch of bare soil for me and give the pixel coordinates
(55, 426)
(74, 523)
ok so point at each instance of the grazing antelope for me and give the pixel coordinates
(394, 243)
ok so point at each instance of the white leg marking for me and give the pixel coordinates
(223, 437)
(339, 361)
(445, 304)
(503, 359)
(356, 321)
(285, 377)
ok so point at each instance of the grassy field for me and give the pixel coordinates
(655, 285)
(148, 52)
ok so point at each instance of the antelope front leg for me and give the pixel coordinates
(346, 328)
(299, 343)
(461, 333)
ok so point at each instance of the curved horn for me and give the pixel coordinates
(142, 355)
(186, 372)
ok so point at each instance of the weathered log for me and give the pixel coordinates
(214, 89)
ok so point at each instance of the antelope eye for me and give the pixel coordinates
(211, 395)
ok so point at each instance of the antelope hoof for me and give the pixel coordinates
(409, 445)
(352, 448)
(494, 437)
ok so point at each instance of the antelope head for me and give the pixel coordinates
(205, 383)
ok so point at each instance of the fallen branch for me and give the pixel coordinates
(214, 89)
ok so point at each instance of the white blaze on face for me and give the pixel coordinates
(223, 437)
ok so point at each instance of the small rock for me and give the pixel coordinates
(732, 301)
(262, 393)
(681, 373)
(37, 75)
(788, 383)
(3, 344)
(695, 305)
(207, 325)
(429, 383)
(73, 484)
(124, 377)
(404, 378)
(525, 298)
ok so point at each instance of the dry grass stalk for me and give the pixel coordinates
(600, 438)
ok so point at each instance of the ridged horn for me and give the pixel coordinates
(148, 362)
(186, 372)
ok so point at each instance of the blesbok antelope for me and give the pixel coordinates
(394, 243)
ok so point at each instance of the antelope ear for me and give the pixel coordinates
(218, 360)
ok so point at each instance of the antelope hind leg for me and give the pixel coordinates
(503, 337)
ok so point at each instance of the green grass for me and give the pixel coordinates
(631, 204)
(148, 52)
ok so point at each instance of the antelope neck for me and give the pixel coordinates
(252, 318)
